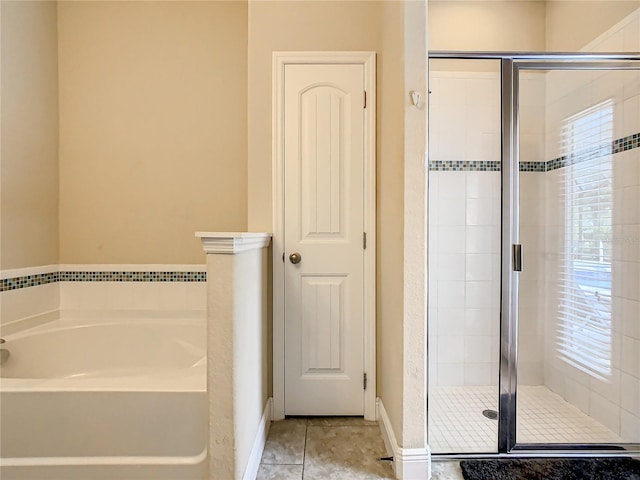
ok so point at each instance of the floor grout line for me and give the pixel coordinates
(304, 450)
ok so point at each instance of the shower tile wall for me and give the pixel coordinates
(464, 233)
(614, 400)
(465, 274)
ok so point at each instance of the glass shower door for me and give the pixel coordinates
(578, 334)
(464, 255)
(538, 325)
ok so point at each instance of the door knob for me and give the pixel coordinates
(295, 258)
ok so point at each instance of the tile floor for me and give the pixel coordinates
(349, 448)
(445, 470)
(457, 424)
(327, 448)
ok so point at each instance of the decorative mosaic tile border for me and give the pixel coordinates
(481, 166)
(45, 278)
(533, 166)
(629, 142)
(464, 166)
(132, 276)
(28, 281)
(579, 157)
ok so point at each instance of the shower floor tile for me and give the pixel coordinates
(456, 423)
(544, 417)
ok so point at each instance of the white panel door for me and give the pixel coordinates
(323, 191)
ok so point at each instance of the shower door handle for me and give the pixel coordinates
(517, 257)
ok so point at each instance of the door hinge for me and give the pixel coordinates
(282, 257)
(364, 240)
(364, 381)
(365, 99)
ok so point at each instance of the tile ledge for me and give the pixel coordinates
(231, 243)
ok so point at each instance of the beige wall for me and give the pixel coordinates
(390, 193)
(236, 351)
(573, 24)
(487, 25)
(165, 117)
(553, 26)
(342, 25)
(415, 230)
(29, 146)
(250, 280)
(153, 128)
(293, 26)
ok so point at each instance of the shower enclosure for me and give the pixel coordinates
(534, 253)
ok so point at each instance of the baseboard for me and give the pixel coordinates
(258, 444)
(408, 463)
(388, 436)
(413, 464)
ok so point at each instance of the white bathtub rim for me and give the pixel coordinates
(178, 381)
(56, 319)
(57, 324)
(24, 324)
(190, 379)
(103, 461)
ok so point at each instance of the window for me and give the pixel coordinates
(585, 260)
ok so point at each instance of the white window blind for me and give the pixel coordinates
(584, 327)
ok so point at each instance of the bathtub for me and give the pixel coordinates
(99, 396)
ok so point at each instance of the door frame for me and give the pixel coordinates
(279, 62)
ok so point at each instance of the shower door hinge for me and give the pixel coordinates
(364, 381)
(364, 240)
(365, 99)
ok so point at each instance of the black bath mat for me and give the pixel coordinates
(552, 469)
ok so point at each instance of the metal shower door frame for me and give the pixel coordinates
(512, 63)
